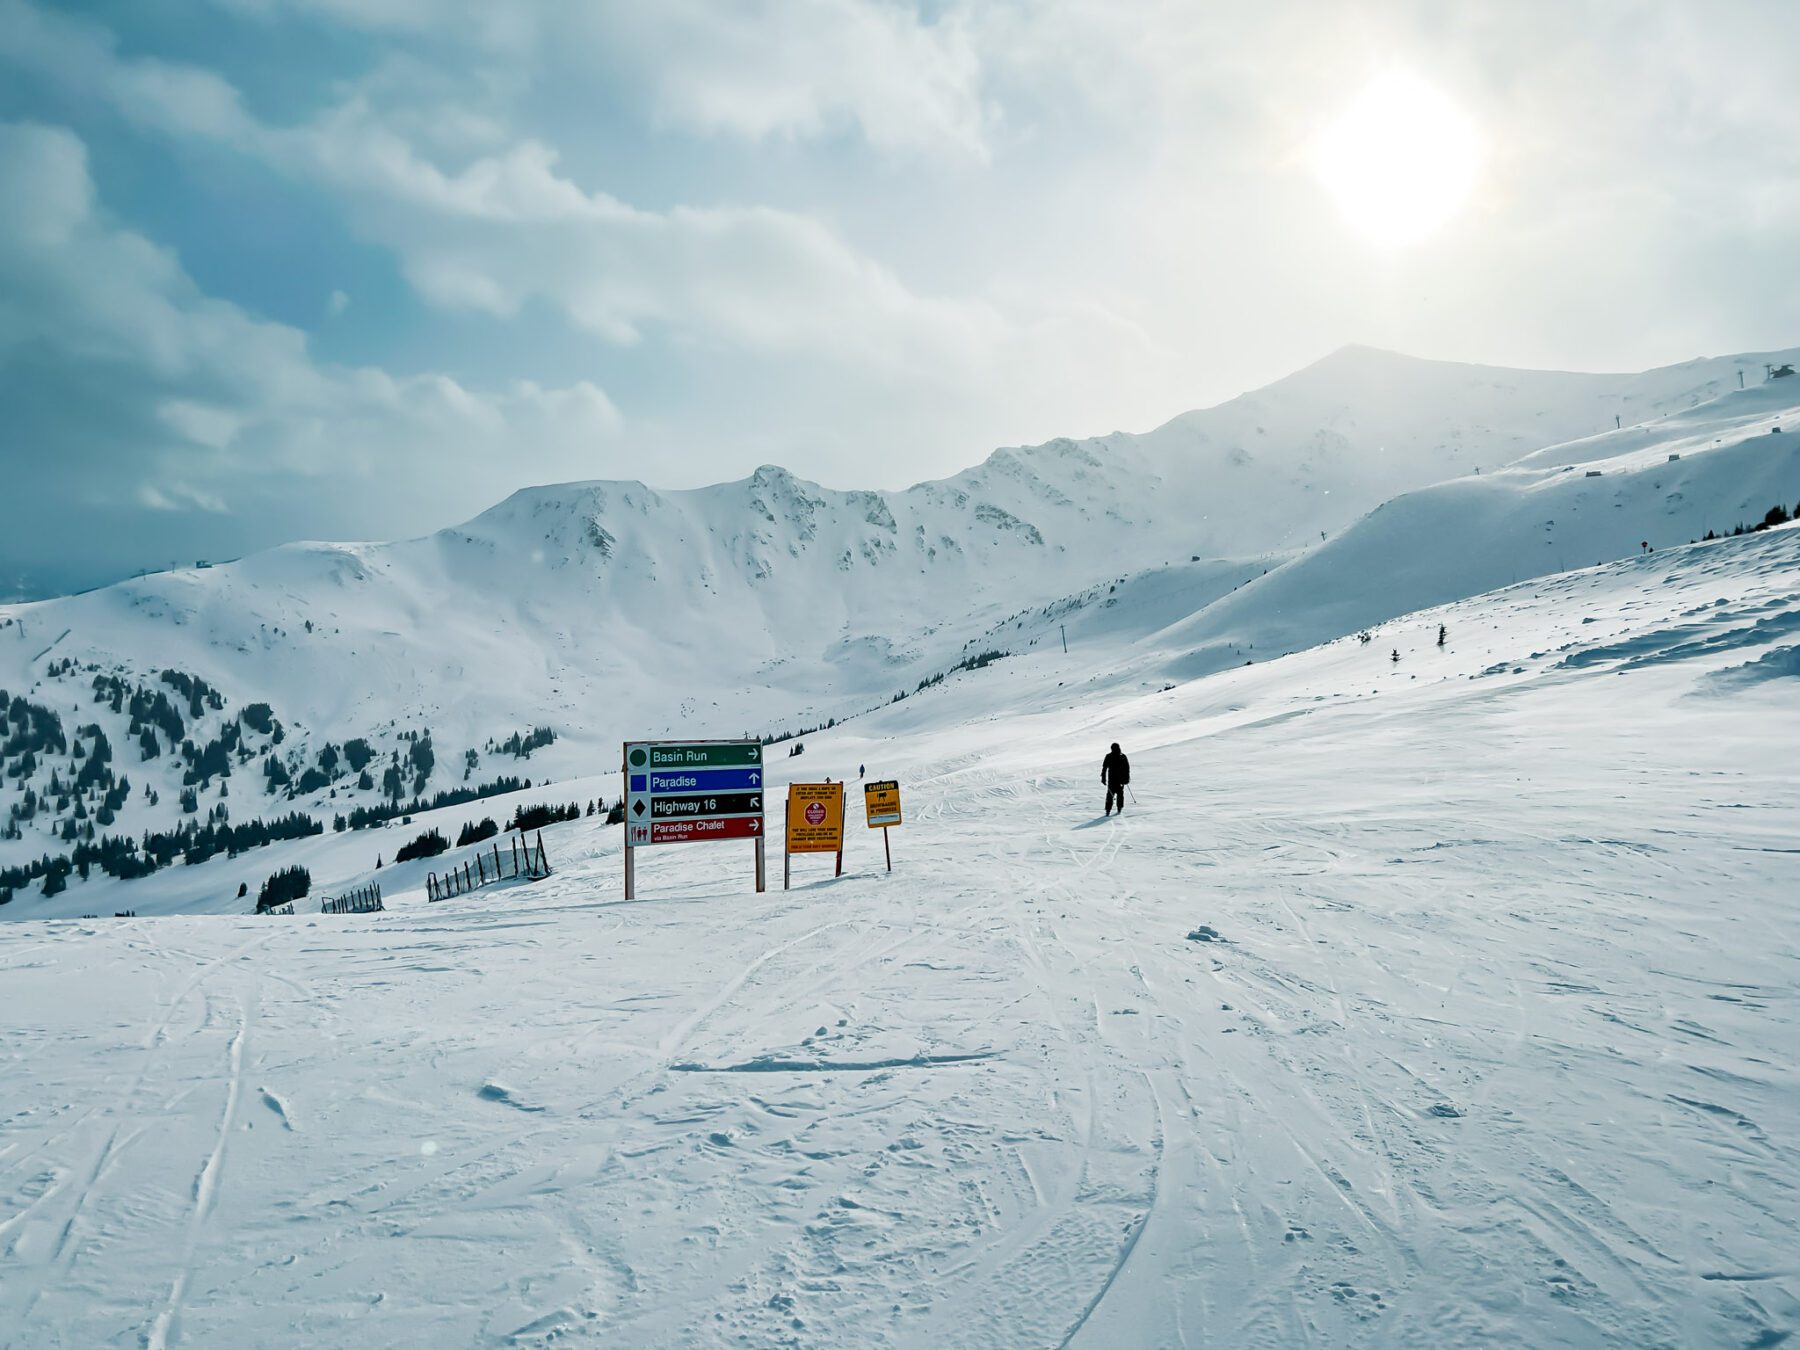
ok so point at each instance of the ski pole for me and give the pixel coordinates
(1129, 793)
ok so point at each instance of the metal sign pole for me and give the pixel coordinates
(787, 854)
(760, 887)
(886, 849)
(840, 852)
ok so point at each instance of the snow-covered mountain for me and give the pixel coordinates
(604, 610)
(1712, 467)
(1435, 988)
(1444, 1003)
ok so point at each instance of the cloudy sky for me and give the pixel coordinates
(357, 268)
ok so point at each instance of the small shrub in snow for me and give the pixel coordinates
(427, 845)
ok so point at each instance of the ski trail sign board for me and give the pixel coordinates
(687, 792)
(676, 792)
(881, 803)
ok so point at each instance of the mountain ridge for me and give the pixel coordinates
(605, 609)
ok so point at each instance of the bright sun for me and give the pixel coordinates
(1400, 161)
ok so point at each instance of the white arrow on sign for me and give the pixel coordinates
(755, 825)
(755, 778)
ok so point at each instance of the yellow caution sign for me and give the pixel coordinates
(815, 818)
(881, 803)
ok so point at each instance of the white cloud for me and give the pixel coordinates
(808, 68)
(507, 229)
(178, 99)
(495, 232)
(179, 497)
(197, 389)
(201, 424)
(745, 69)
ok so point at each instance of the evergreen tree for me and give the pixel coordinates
(290, 883)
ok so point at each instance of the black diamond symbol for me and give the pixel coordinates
(637, 808)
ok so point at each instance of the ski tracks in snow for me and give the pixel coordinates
(1441, 1065)
(101, 1200)
(206, 1184)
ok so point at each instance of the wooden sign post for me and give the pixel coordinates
(881, 805)
(814, 824)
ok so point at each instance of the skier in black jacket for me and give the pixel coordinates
(1115, 772)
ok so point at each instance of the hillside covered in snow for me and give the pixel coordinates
(321, 687)
(1445, 1001)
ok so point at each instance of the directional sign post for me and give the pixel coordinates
(815, 824)
(881, 805)
(689, 792)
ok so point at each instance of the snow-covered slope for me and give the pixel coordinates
(1709, 468)
(1441, 1003)
(1719, 466)
(603, 610)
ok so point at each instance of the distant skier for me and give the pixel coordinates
(1440, 635)
(859, 771)
(1115, 772)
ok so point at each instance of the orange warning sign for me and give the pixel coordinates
(815, 818)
